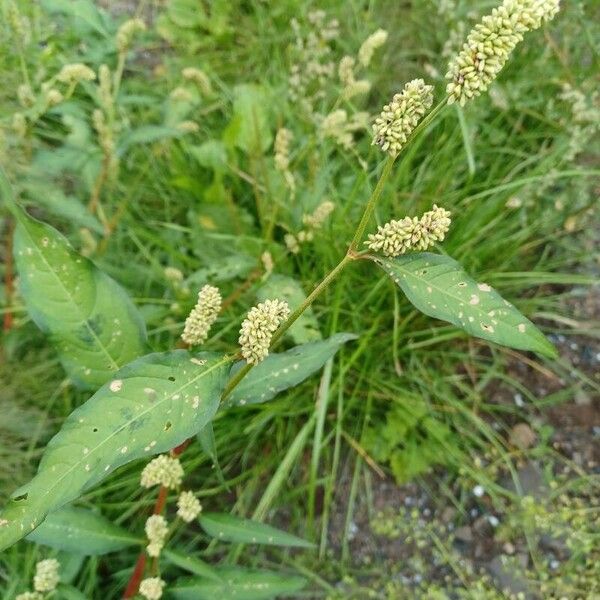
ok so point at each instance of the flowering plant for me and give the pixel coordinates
(159, 402)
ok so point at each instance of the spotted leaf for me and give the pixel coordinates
(278, 372)
(439, 287)
(239, 583)
(150, 406)
(229, 528)
(82, 531)
(87, 316)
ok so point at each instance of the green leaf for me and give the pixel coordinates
(151, 406)
(241, 584)
(439, 287)
(281, 371)
(70, 565)
(190, 563)
(86, 314)
(68, 592)
(69, 208)
(250, 129)
(83, 531)
(229, 528)
(212, 154)
(147, 134)
(206, 437)
(83, 12)
(186, 13)
(306, 327)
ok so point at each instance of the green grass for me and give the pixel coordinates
(288, 462)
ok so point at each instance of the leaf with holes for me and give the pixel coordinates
(229, 528)
(151, 406)
(242, 584)
(86, 314)
(83, 532)
(281, 371)
(439, 287)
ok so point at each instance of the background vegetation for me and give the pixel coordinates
(422, 464)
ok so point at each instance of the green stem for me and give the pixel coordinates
(291, 319)
(387, 169)
(370, 207)
(350, 255)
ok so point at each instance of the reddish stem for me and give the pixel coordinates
(136, 577)
(161, 500)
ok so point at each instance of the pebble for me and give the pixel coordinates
(508, 548)
(493, 520)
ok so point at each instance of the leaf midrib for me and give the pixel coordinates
(128, 422)
(101, 535)
(83, 319)
(443, 291)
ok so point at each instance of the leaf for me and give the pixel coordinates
(306, 327)
(281, 371)
(151, 406)
(83, 12)
(241, 584)
(229, 528)
(439, 287)
(68, 592)
(83, 531)
(212, 154)
(190, 563)
(70, 565)
(412, 438)
(87, 315)
(206, 437)
(68, 208)
(147, 134)
(186, 13)
(249, 129)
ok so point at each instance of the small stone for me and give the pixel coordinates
(582, 398)
(508, 548)
(464, 534)
(522, 436)
(478, 491)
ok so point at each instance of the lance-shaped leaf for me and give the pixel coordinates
(281, 371)
(151, 405)
(190, 563)
(439, 287)
(229, 528)
(82, 531)
(206, 437)
(86, 314)
(238, 583)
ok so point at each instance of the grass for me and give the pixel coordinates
(522, 221)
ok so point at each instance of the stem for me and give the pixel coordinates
(233, 382)
(351, 254)
(136, 577)
(370, 207)
(387, 169)
(161, 500)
